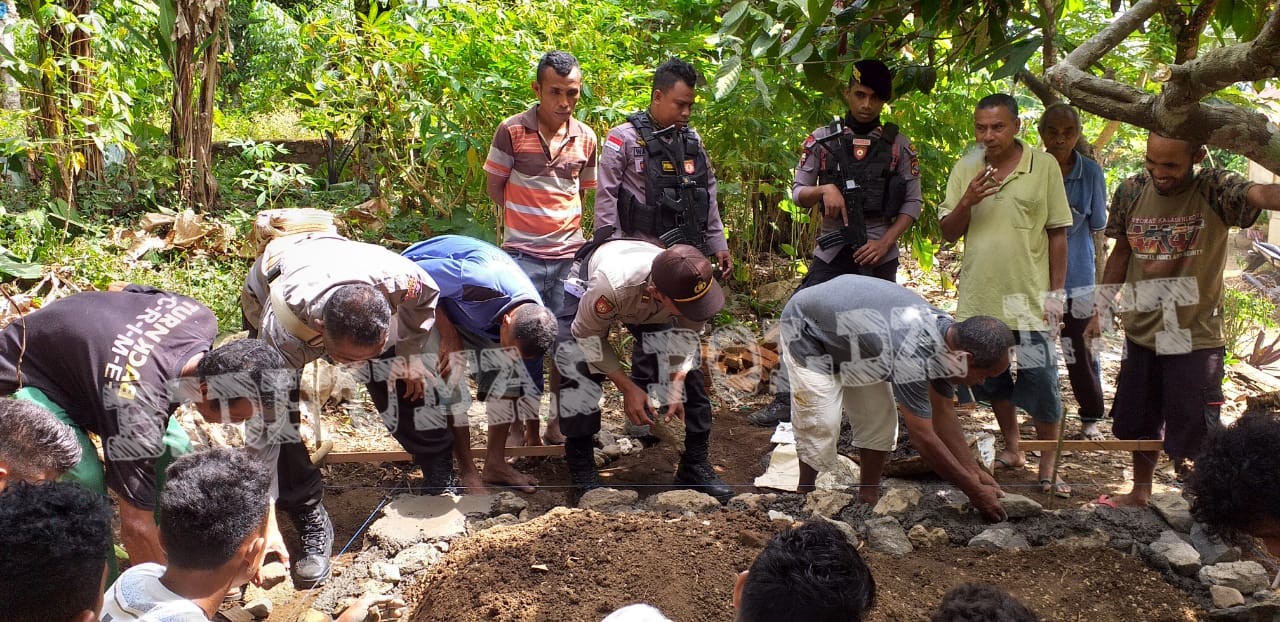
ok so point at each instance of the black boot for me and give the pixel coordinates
(695, 469)
(777, 410)
(438, 476)
(316, 532)
(579, 452)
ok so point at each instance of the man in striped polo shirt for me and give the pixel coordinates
(541, 163)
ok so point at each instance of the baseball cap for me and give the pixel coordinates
(684, 275)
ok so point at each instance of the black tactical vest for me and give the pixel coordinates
(676, 176)
(870, 160)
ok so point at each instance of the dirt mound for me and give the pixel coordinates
(594, 563)
(580, 565)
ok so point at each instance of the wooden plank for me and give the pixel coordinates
(1081, 445)
(1266, 382)
(336, 457)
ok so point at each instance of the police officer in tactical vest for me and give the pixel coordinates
(655, 182)
(865, 177)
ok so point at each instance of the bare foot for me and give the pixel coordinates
(1128, 500)
(501, 474)
(515, 436)
(1009, 460)
(869, 497)
(472, 483)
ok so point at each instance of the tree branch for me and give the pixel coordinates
(1094, 49)
(1048, 15)
(1217, 69)
(1189, 39)
(1038, 87)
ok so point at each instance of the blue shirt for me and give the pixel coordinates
(1087, 195)
(478, 281)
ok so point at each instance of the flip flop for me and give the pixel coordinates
(1061, 490)
(1002, 464)
(1105, 500)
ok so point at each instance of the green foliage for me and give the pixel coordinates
(1243, 313)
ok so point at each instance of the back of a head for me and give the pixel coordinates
(998, 100)
(970, 602)
(811, 573)
(251, 361)
(54, 541)
(33, 442)
(359, 314)
(535, 330)
(987, 339)
(1236, 480)
(211, 503)
(672, 71)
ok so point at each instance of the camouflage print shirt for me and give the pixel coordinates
(1179, 251)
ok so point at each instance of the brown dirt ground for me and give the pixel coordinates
(595, 563)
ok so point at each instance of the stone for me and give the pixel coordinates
(374, 586)
(613, 451)
(1181, 557)
(273, 574)
(1000, 538)
(681, 501)
(827, 503)
(1173, 509)
(885, 535)
(601, 458)
(312, 615)
(260, 608)
(845, 528)
(777, 291)
(751, 501)
(1095, 539)
(1247, 577)
(1212, 549)
(606, 438)
(411, 519)
(628, 446)
(782, 516)
(416, 558)
(507, 502)
(1262, 608)
(384, 571)
(1225, 597)
(601, 499)
(1018, 506)
(922, 537)
(501, 520)
(897, 501)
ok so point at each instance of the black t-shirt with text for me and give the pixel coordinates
(107, 358)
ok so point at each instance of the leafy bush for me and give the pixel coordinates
(1243, 313)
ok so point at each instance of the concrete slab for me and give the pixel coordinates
(411, 519)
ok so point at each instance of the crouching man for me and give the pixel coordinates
(857, 344)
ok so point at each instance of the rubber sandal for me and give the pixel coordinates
(1061, 490)
(1001, 464)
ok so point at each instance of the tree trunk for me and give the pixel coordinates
(191, 114)
(10, 97)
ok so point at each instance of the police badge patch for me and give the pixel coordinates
(603, 306)
(913, 160)
(688, 167)
(860, 147)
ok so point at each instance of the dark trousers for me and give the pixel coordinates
(821, 271)
(1177, 397)
(579, 389)
(1082, 366)
(421, 425)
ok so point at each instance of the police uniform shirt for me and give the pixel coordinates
(312, 266)
(622, 162)
(814, 159)
(617, 291)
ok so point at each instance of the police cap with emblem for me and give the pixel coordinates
(684, 275)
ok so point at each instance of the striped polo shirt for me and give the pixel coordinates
(543, 211)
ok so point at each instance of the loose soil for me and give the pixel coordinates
(580, 565)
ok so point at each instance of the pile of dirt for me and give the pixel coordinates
(580, 565)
